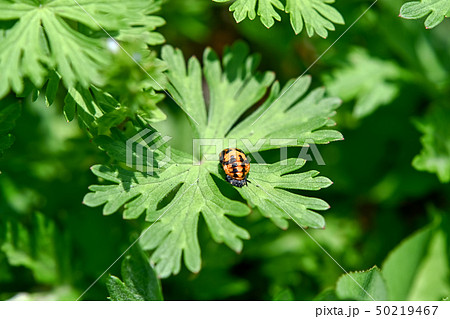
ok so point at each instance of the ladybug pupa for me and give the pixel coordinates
(235, 165)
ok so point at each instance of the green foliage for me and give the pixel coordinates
(50, 89)
(399, 274)
(431, 282)
(426, 274)
(232, 89)
(367, 79)
(134, 82)
(97, 110)
(266, 10)
(316, 16)
(51, 35)
(273, 200)
(234, 86)
(139, 280)
(9, 112)
(435, 9)
(371, 281)
(435, 154)
(33, 246)
(129, 95)
(417, 269)
(176, 232)
(72, 116)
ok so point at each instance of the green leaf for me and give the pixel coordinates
(242, 9)
(176, 231)
(118, 291)
(305, 118)
(174, 194)
(52, 88)
(33, 247)
(140, 276)
(91, 105)
(9, 113)
(129, 94)
(142, 23)
(351, 82)
(139, 280)
(432, 279)
(435, 154)
(234, 86)
(134, 88)
(99, 111)
(315, 15)
(417, 269)
(273, 199)
(437, 10)
(401, 266)
(267, 12)
(370, 280)
(45, 36)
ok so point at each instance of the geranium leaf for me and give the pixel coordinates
(45, 37)
(176, 191)
(316, 16)
(435, 9)
(351, 82)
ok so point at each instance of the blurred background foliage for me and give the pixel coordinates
(390, 174)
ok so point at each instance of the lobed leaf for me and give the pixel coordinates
(267, 12)
(316, 16)
(99, 111)
(172, 196)
(302, 118)
(269, 192)
(370, 92)
(233, 87)
(175, 229)
(129, 95)
(435, 9)
(45, 36)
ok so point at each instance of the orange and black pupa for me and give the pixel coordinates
(235, 165)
